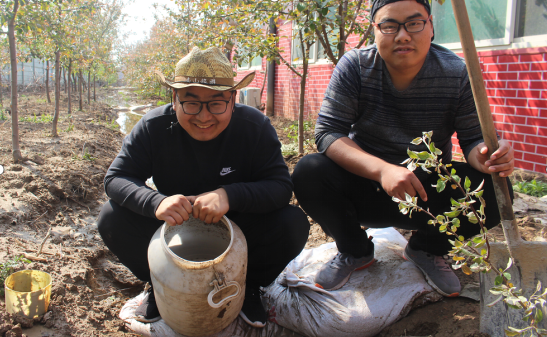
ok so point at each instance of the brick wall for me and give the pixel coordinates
(516, 84)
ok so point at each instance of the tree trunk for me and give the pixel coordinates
(94, 84)
(69, 86)
(57, 93)
(17, 157)
(74, 82)
(64, 80)
(88, 87)
(301, 105)
(47, 82)
(1, 89)
(80, 88)
(305, 59)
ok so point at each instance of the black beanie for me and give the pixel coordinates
(381, 3)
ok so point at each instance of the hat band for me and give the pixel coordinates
(205, 80)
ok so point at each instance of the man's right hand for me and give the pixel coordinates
(397, 181)
(174, 210)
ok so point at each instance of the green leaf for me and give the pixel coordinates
(412, 154)
(472, 218)
(442, 228)
(424, 155)
(440, 219)
(539, 315)
(441, 185)
(301, 6)
(509, 264)
(498, 280)
(325, 11)
(507, 276)
(452, 214)
(416, 141)
(467, 183)
(456, 222)
(432, 147)
(454, 202)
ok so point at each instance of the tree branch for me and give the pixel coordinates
(352, 26)
(365, 37)
(288, 65)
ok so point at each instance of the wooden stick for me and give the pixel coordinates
(510, 227)
(44, 241)
(34, 258)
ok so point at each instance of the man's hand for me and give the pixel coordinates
(210, 206)
(174, 210)
(502, 160)
(397, 181)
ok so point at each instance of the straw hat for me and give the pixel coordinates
(207, 68)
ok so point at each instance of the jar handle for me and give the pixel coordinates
(219, 287)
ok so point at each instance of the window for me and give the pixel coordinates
(317, 51)
(256, 63)
(531, 18)
(494, 22)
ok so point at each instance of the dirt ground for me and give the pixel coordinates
(61, 188)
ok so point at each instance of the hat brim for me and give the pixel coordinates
(245, 81)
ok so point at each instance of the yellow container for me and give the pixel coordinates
(28, 293)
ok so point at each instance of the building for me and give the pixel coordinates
(512, 43)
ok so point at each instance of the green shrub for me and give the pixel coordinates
(6, 269)
(533, 188)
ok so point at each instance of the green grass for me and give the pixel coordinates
(6, 269)
(534, 188)
(37, 119)
(289, 149)
(2, 116)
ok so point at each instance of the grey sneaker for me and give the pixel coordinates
(437, 271)
(334, 274)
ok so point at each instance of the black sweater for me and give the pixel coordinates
(245, 159)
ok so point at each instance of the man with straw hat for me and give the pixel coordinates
(209, 157)
(378, 100)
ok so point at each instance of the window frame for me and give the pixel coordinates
(250, 67)
(509, 41)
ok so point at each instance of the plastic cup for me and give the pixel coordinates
(28, 293)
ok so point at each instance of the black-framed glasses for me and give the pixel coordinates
(216, 107)
(392, 26)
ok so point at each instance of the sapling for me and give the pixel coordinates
(472, 254)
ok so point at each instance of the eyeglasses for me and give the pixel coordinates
(392, 27)
(215, 107)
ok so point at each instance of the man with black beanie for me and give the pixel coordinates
(378, 100)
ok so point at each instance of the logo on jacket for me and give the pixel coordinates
(226, 170)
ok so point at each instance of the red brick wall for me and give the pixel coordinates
(516, 84)
(515, 79)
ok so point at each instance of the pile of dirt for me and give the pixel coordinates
(61, 188)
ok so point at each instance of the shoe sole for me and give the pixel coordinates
(429, 280)
(345, 280)
(145, 320)
(248, 321)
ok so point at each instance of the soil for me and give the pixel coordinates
(50, 203)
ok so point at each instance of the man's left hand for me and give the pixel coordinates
(210, 206)
(501, 161)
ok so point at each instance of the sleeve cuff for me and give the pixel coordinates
(155, 201)
(327, 141)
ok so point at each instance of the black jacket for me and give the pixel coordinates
(245, 159)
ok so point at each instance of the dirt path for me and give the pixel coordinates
(62, 188)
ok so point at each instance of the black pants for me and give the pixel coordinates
(341, 202)
(273, 239)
